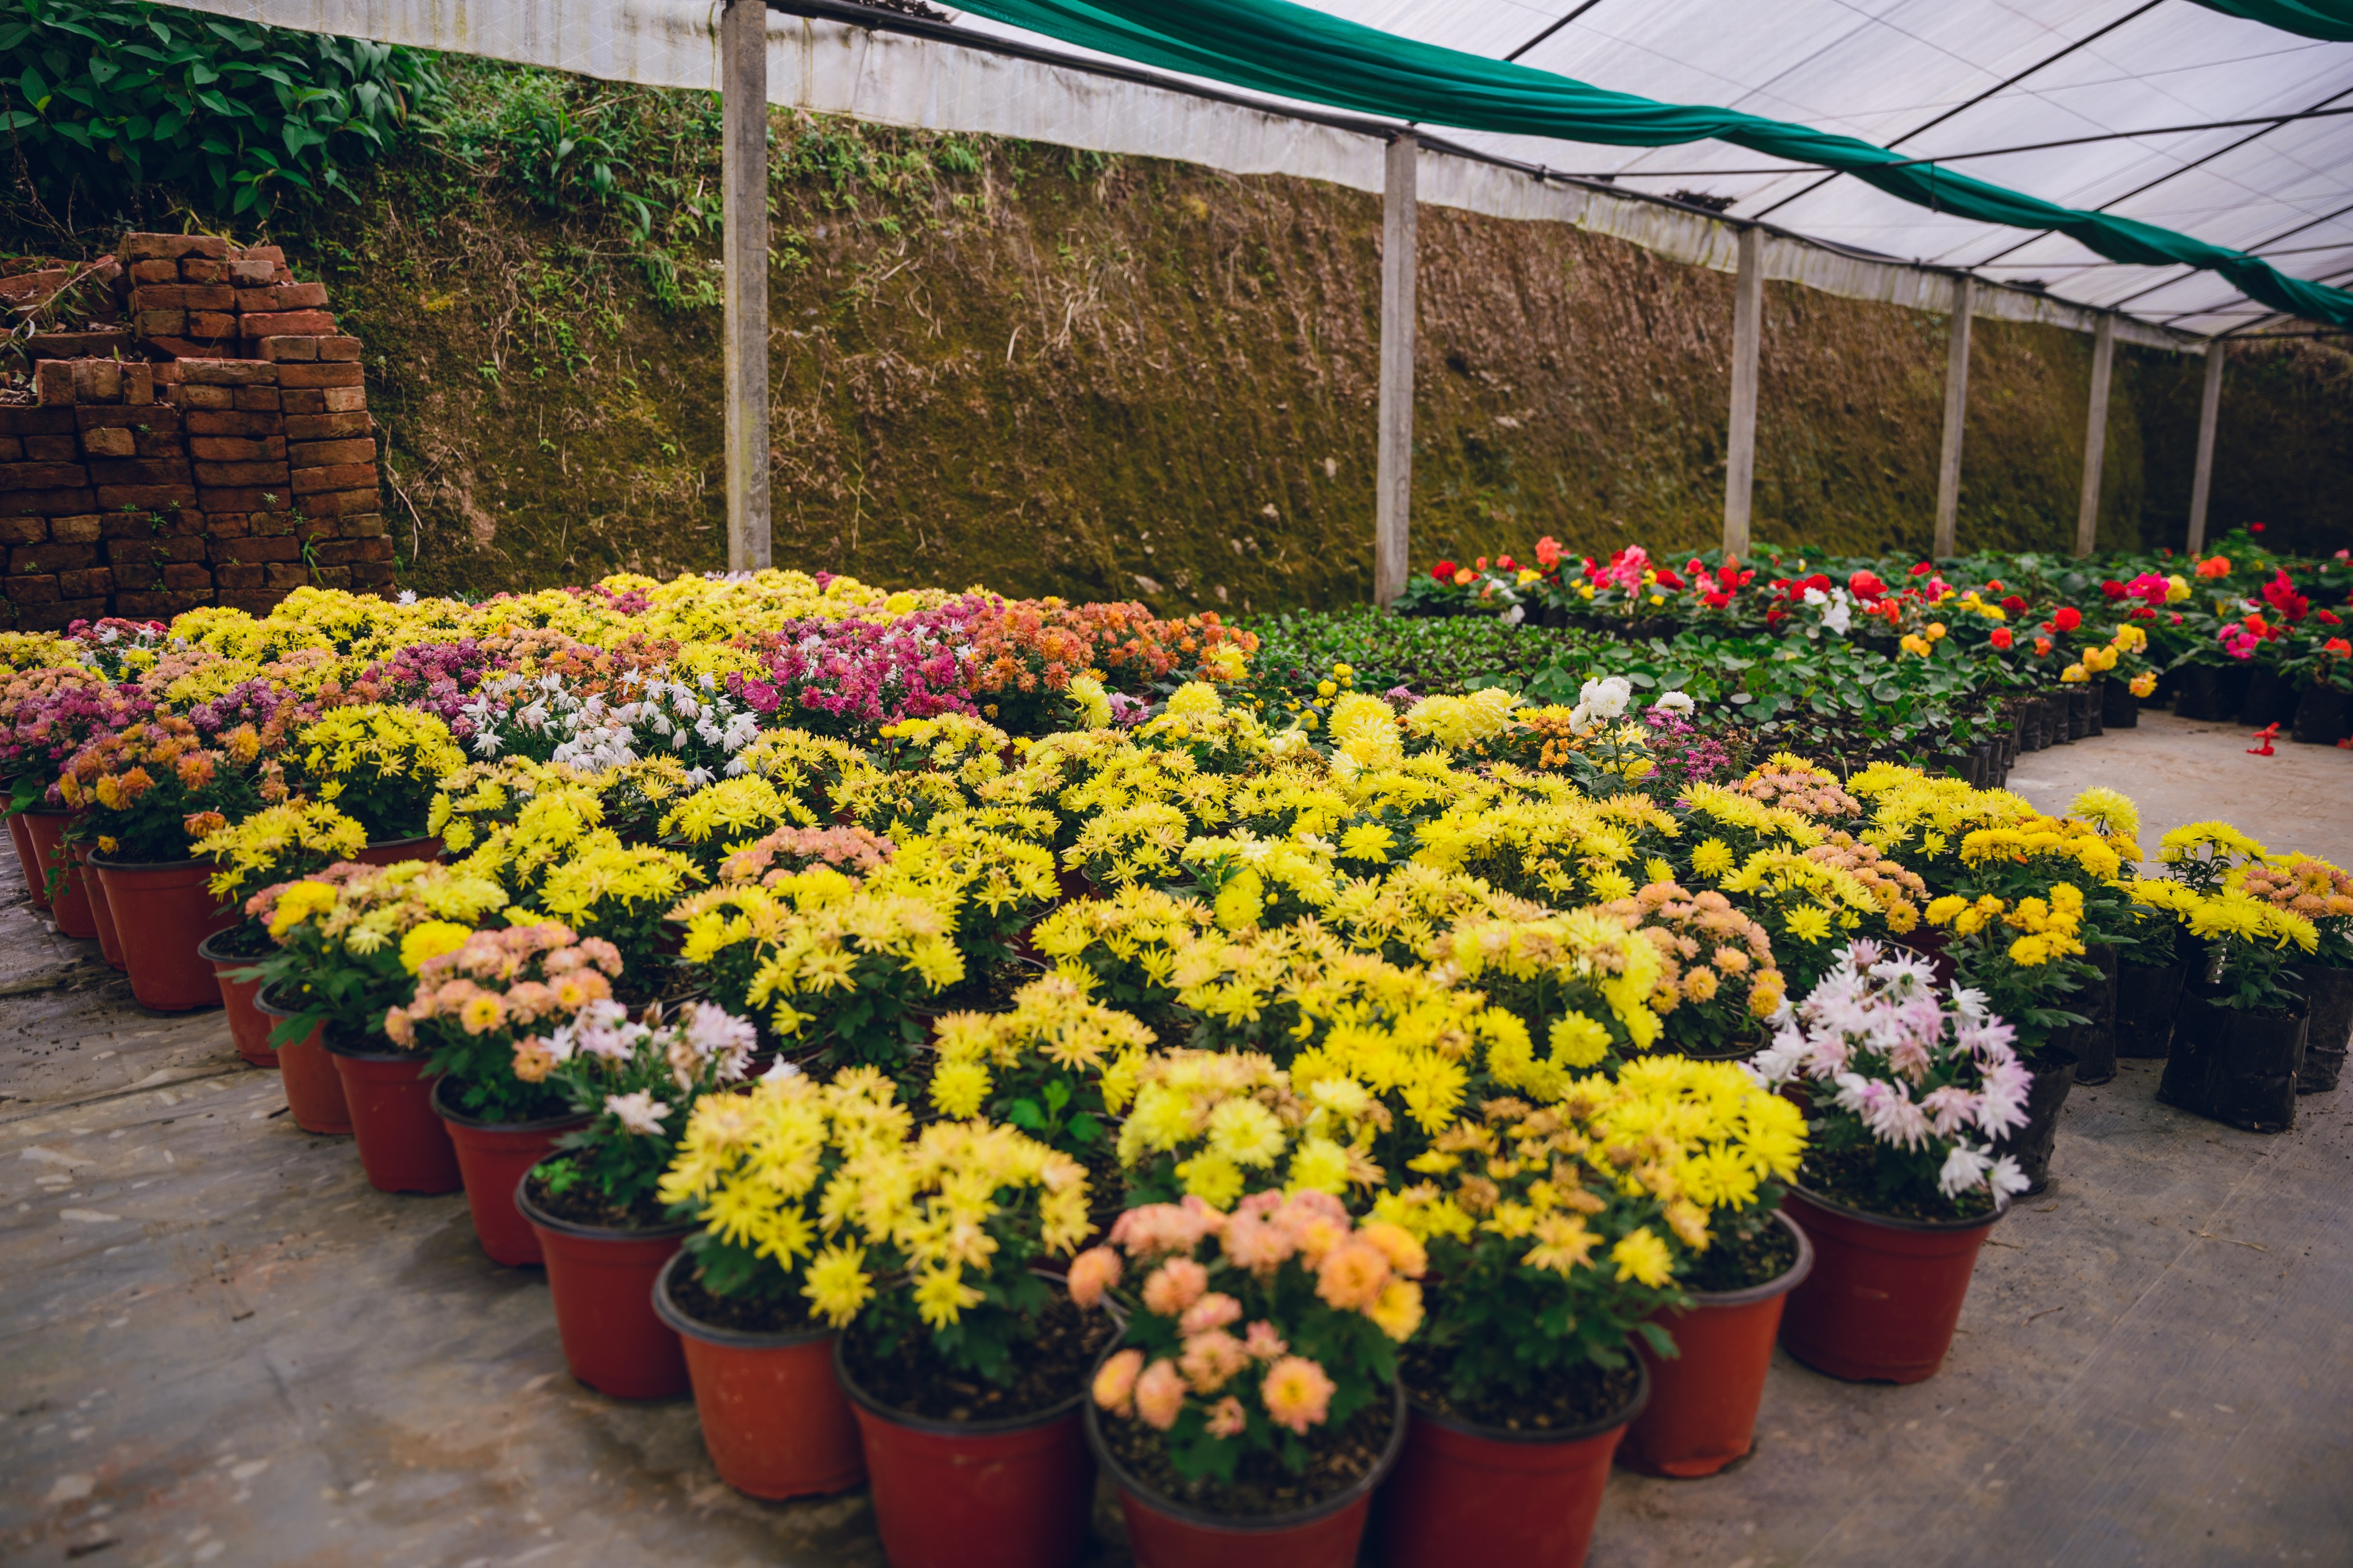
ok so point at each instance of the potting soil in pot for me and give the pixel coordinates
(1851, 1176)
(1045, 1371)
(1341, 1455)
(1742, 1262)
(1538, 1404)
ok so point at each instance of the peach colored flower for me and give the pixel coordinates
(1160, 1395)
(1212, 1360)
(1175, 1285)
(1352, 1275)
(1252, 1243)
(1115, 1381)
(1396, 1244)
(1297, 1394)
(1226, 1417)
(1263, 1343)
(1092, 1272)
(1214, 1310)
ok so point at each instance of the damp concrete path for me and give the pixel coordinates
(219, 1345)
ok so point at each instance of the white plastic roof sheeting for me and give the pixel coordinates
(1989, 74)
(1934, 77)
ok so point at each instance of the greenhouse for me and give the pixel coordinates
(1173, 781)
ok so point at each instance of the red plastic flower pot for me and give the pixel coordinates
(1467, 1493)
(391, 851)
(1702, 1411)
(494, 1156)
(101, 917)
(28, 859)
(1164, 1533)
(247, 1025)
(403, 1147)
(602, 1282)
(1013, 1493)
(1885, 1293)
(162, 915)
(314, 1090)
(71, 906)
(775, 1421)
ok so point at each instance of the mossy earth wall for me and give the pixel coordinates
(1051, 371)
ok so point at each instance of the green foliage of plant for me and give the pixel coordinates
(104, 99)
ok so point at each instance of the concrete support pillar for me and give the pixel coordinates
(1394, 474)
(1957, 414)
(1740, 442)
(2095, 436)
(2210, 409)
(743, 179)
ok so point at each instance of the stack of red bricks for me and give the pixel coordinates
(230, 463)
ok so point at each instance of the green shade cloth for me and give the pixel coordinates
(1278, 47)
(2329, 19)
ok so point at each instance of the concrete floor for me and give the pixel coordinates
(219, 1345)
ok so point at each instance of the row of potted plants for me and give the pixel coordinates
(1354, 1073)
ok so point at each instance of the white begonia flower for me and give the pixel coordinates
(1606, 698)
(1676, 702)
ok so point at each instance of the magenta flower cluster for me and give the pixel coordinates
(1683, 754)
(52, 726)
(843, 677)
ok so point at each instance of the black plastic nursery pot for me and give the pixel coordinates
(2211, 693)
(2091, 702)
(2119, 709)
(2096, 1042)
(2053, 1070)
(2328, 996)
(2270, 699)
(2232, 1065)
(2324, 716)
(2147, 997)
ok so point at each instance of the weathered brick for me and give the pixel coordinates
(372, 576)
(236, 448)
(230, 373)
(255, 398)
(32, 558)
(138, 384)
(147, 247)
(338, 349)
(183, 297)
(52, 450)
(154, 551)
(82, 530)
(202, 270)
(98, 381)
(252, 601)
(254, 473)
(154, 272)
(283, 547)
(284, 575)
(281, 296)
(366, 526)
(318, 376)
(329, 453)
(12, 450)
(124, 416)
(54, 379)
(23, 530)
(41, 476)
(287, 324)
(233, 422)
(343, 503)
(183, 576)
(115, 442)
(37, 421)
(231, 576)
(211, 324)
(325, 427)
(57, 617)
(341, 477)
(252, 498)
(106, 471)
(345, 399)
(249, 270)
(226, 525)
(161, 606)
(272, 524)
(310, 401)
(146, 498)
(273, 254)
(82, 585)
(202, 397)
(167, 373)
(308, 528)
(288, 351)
(33, 589)
(344, 551)
(51, 504)
(157, 444)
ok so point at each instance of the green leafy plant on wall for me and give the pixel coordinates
(103, 100)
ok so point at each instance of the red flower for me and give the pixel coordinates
(1716, 601)
(2142, 613)
(1866, 586)
(2068, 618)
(2001, 637)
(1442, 573)
(2281, 595)
(2112, 589)
(1995, 587)
(1505, 563)
(1669, 581)
(2013, 605)
(2327, 618)
(2339, 647)
(2254, 528)
(1924, 569)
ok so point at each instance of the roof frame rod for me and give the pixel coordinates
(2001, 87)
(2178, 278)
(1556, 28)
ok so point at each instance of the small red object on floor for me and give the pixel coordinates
(2267, 734)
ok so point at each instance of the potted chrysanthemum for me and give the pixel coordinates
(1252, 1409)
(2239, 1039)
(756, 1293)
(379, 765)
(594, 1203)
(1902, 1180)
(278, 844)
